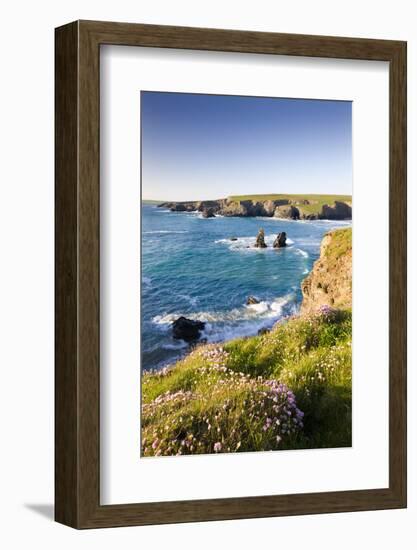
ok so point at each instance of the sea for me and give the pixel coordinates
(191, 267)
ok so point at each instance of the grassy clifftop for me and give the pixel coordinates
(293, 197)
(308, 205)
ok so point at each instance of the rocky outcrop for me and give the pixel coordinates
(260, 239)
(208, 213)
(187, 329)
(242, 208)
(330, 281)
(269, 208)
(281, 240)
(204, 205)
(178, 206)
(287, 212)
(251, 301)
(291, 208)
(338, 211)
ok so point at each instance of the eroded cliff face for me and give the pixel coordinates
(330, 281)
(303, 209)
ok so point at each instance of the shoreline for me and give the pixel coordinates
(259, 328)
(294, 207)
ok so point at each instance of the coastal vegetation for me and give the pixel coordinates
(332, 207)
(287, 388)
(313, 200)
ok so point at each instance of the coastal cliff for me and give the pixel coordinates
(295, 207)
(330, 281)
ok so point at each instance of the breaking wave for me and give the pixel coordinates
(237, 322)
(163, 232)
(247, 243)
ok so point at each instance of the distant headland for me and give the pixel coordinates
(284, 206)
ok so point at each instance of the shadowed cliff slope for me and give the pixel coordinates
(330, 281)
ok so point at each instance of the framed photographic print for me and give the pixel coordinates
(230, 274)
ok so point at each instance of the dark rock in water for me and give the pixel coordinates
(252, 300)
(263, 330)
(187, 329)
(281, 240)
(260, 239)
(208, 213)
(233, 238)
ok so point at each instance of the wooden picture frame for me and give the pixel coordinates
(77, 374)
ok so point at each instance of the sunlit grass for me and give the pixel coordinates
(287, 389)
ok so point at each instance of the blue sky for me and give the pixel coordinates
(198, 146)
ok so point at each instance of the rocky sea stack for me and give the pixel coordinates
(260, 239)
(281, 240)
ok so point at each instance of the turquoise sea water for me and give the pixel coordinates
(191, 267)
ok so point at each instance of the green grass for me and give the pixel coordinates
(287, 389)
(340, 246)
(323, 199)
(317, 201)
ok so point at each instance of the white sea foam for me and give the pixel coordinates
(334, 222)
(264, 309)
(162, 232)
(274, 219)
(246, 244)
(190, 299)
(179, 344)
(311, 242)
(320, 223)
(302, 253)
(260, 308)
(220, 333)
